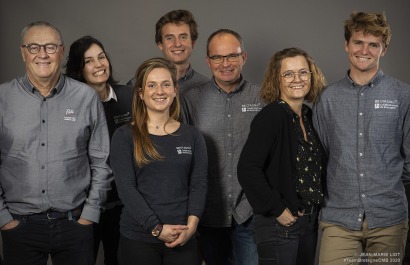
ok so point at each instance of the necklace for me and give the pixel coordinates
(157, 126)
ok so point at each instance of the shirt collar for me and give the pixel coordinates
(372, 83)
(31, 88)
(188, 74)
(111, 95)
(236, 90)
(290, 111)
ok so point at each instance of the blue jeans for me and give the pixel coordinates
(278, 244)
(233, 245)
(30, 242)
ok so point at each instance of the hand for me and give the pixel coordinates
(286, 218)
(84, 221)
(170, 233)
(10, 225)
(185, 235)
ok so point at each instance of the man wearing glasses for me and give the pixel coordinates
(54, 147)
(175, 35)
(223, 109)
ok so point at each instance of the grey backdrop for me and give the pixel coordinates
(126, 28)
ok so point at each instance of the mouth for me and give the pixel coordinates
(99, 73)
(160, 99)
(360, 58)
(297, 87)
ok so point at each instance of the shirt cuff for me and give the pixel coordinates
(91, 214)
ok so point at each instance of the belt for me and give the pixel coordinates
(53, 215)
(311, 209)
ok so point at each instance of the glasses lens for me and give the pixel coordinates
(34, 48)
(233, 57)
(217, 58)
(50, 48)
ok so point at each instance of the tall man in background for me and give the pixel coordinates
(175, 35)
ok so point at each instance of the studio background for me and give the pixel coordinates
(127, 28)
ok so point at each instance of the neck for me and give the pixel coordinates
(102, 90)
(182, 69)
(295, 105)
(362, 77)
(44, 86)
(228, 87)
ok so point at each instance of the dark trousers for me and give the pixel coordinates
(132, 252)
(233, 245)
(30, 243)
(108, 232)
(286, 245)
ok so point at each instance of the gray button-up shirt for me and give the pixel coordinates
(54, 149)
(224, 120)
(366, 132)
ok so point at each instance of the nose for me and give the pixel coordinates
(364, 49)
(296, 76)
(42, 53)
(177, 42)
(225, 61)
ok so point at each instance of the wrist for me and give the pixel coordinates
(156, 231)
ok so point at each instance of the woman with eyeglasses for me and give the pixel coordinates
(160, 166)
(88, 62)
(281, 166)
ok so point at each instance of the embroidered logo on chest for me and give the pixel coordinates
(69, 115)
(386, 104)
(184, 150)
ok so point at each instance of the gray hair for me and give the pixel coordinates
(41, 24)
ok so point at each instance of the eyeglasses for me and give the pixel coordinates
(233, 57)
(34, 48)
(303, 74)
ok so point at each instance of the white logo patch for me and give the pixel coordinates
(122, 118)
(184, 150)
(386, 104)
(252, 107)
(69, 115)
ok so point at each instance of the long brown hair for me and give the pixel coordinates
(144, 149)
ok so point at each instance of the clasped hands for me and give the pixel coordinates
(287, 219)
(176, 235)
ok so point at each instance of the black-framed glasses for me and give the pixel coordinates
(233, 57)
(34, 48)
(303, 74)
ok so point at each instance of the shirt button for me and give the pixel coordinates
(43, 144)
(43, 121)
(229, 135)
(361, 174)
(360, 154)
(359, 220)
(43, 167)
(360, 215)
(360, 134)
(361, 94)
(361, 114)
(229, 115)
(363, 195)
(229, 195)
(229, 175)
(43, 191)
(44, 99)
(229, 154)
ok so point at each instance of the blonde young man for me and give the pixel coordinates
(363, 121)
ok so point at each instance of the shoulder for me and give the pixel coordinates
(9, 85)
(126, 89)
(79, 89)
(123, 132)
(198, 90)
(271, 114)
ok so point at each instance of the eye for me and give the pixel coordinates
(287, 74)
(303, 72)
(184, 37)
(151, 85)
(169, 38)
(374, 45)
(87, 61)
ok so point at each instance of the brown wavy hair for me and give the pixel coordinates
(144, 149)
(271, 82)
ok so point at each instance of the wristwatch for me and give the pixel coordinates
(156, 231)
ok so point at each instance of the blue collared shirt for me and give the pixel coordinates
(366, 133)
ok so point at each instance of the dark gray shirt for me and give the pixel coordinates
(366, 132)
(224, 120)
(54, 149)
(165, 191)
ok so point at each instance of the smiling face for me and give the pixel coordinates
(296, 90)
(364, 52)
(176, 43)
(159, 91)
(96, 69)
(226, 74)
(42, 67)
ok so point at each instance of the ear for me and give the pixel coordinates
(193, 44)
(346, 46)
(22, 54)
(244, 57)
(384, 51)
(160, 46)
(140, 93)
(208, 61)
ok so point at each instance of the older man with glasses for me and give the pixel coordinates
(54, 147)
(223, 109)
